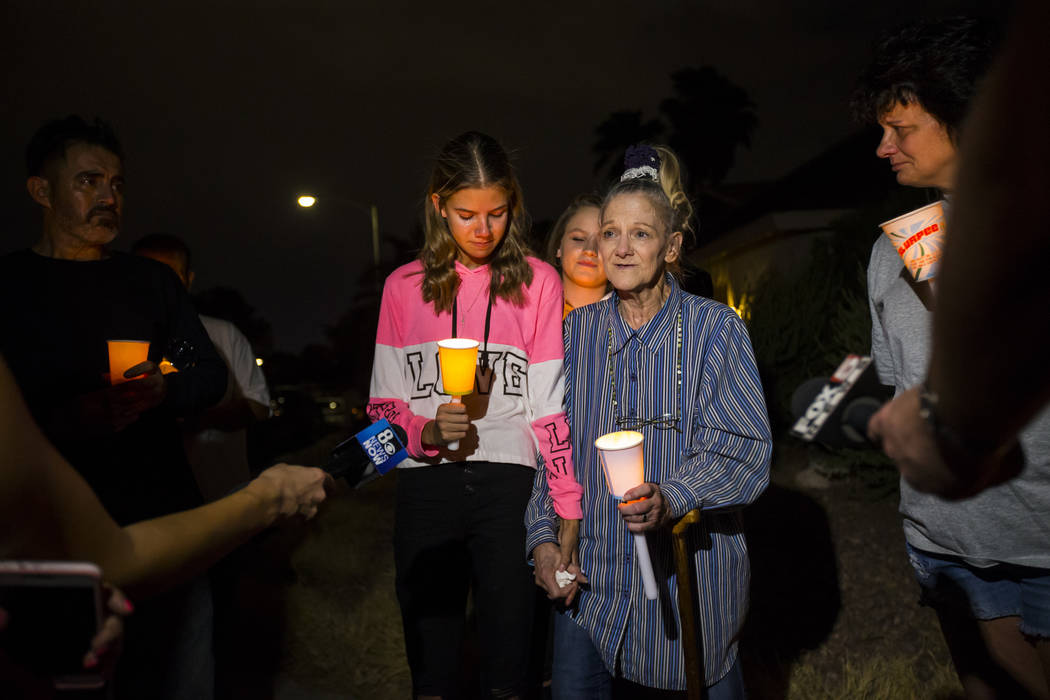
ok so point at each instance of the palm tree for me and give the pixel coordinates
(710, 117)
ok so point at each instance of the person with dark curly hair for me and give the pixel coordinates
(981, 563)
(918, 89)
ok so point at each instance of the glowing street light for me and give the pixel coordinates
(308, 200)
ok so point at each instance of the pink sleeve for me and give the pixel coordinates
(556, 448)
(547, 393)
(387, 390)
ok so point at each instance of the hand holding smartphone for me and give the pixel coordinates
(53, 611)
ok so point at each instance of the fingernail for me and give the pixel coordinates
(128, 607)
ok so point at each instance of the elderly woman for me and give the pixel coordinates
(680, 370)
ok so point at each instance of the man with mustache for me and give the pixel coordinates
(63, 299)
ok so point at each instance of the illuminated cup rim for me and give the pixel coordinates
(458, 344)
(118, 340)
(914, 212)
(630, 438)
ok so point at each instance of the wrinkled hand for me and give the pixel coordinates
(292, 490)
(450, 424)
(568, 537)
(908, 440)
(644, 508)
(547, 560)
(105, 646)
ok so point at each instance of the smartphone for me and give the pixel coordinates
(54, 609)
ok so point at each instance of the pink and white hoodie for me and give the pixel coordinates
(516, 408)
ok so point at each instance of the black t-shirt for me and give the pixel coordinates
(55, 318)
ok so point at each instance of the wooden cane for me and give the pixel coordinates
(694, 658)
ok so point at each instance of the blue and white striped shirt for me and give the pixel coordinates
(718, 463)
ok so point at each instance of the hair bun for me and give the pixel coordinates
(641, 162)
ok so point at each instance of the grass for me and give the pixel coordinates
(874, 679)
(325, 605)
(346, 627)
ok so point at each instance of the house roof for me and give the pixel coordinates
(845, 176)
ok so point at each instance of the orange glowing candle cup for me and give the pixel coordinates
(458, 358)
(624, 465)
(123, 355)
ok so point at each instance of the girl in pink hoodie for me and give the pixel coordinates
(459, 520)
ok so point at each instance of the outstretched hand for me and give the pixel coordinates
(293, 490)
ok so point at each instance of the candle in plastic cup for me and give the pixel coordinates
(458, 358)
(622, 460)
(123, 355)
(918, 237)
(624, 466)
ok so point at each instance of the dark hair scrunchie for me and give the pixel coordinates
(641, 162)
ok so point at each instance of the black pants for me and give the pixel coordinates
(459, 528)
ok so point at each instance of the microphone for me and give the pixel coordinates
(369, 454)
(835, 412)
(365, 456)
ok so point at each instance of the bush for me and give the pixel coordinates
(804, 322)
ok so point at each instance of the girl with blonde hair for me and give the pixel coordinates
(459, 520)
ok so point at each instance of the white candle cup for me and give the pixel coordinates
(622, 460)
(624, 465)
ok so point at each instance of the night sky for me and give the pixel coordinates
(228, 109)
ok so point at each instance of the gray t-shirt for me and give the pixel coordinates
(1006, 523)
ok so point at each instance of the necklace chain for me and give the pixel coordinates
(667, 421)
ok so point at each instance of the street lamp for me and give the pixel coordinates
(308, 200)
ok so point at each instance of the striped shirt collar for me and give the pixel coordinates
(657, 330)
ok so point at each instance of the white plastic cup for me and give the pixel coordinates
(622, 460)
(918, 237)
(624, 465)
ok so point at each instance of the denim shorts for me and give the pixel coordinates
(1002, 590)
